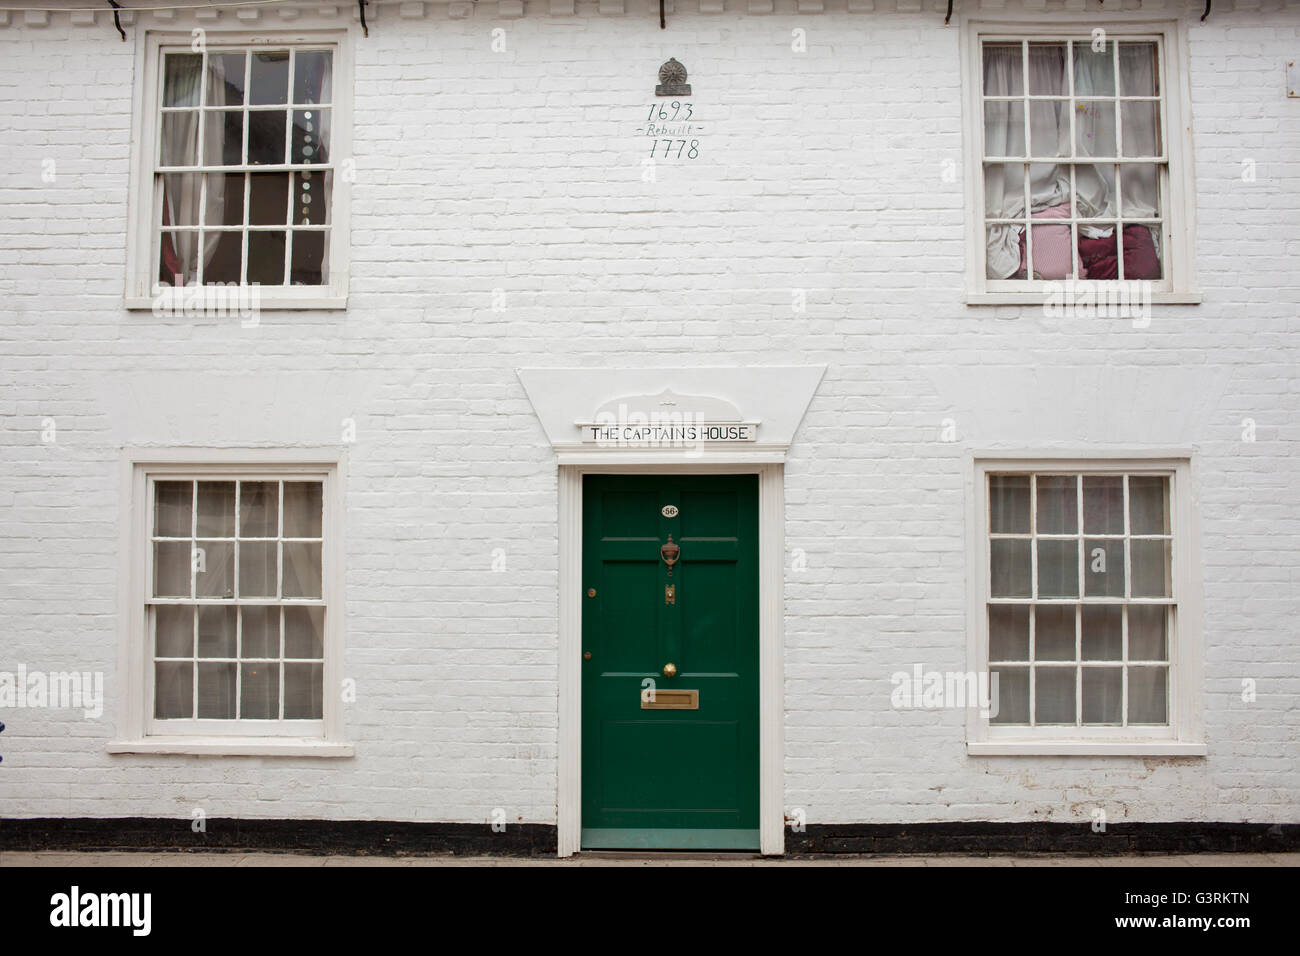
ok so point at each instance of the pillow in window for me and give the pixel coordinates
(1052, 254)
(1097, 259)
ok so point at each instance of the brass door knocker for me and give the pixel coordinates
(670, 552)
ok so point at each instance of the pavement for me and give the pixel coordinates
(63, 858)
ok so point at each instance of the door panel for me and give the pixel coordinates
(670, 778)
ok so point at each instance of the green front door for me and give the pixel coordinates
(662, 767)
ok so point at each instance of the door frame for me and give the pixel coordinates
(771, 586)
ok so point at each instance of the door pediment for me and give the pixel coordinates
(770, 400)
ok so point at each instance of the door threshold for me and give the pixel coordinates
(671, 856)
(717, 840)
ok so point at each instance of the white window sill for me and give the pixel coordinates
(234, 747)
(1084, 748)
(268, 303)
(1039, 298)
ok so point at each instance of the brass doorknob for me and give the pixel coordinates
(670, 670)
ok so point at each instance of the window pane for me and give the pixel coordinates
(171, 509)
(260, 636)
(1150, 568)
(1049, 128)
(223, 205)
(225, 265)
(1094, 70)
(270, 78)
(217, 691)
(1009, 504)
(1004, 128)
(1141, 131)
(310, 259)
(311, 136)
(1148, 502)
(181, 77)
(216, 509)
(302, 509)
(259, 509)
(266, 258)
(312, 197)
(180, 139)
(1008, 632)
(1094, 128)
(302, 570)
(171, 568)
(266, 132)
(1103, 504)
(1009, 571)
(1104, 576)
(1012, 701)
(268, 200)
(217, 631)
(178, 255)
(1054, 632)
(257, 570)
(225, 79)
(312, 76)
(223, 138)
(1103, 695)
(259, 694)
(174, 636)
(1058, 506)
(1054, 695)
(1094, 185)
(1141, 253)
(1137, 69)
(1047, 69)
(214, 569)
(1148, 695)
(1147, 632)
(1003, 69)
(1058, 569)
(173, 690)
(303, 684)
(304, 632)
(1103, 637)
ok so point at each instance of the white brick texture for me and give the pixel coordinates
(521, 171)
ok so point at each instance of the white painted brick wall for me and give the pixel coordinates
(519, 170)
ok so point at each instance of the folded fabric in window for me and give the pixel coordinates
(1098, 259)
(1052, 255)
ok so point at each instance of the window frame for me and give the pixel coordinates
(140, 731)
(1184, 732)
(1179, 285)
(142, 289)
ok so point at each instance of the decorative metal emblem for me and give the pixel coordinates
(668, 511)
(670, 552)
(672, 80)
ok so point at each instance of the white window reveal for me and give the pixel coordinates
(244, 144)
(236, 636)
(1083, 582)
(1080, 163)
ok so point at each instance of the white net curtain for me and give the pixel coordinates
(1066, 99)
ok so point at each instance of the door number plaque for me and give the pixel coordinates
(668, 511)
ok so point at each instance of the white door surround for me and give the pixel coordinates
(773, 398)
